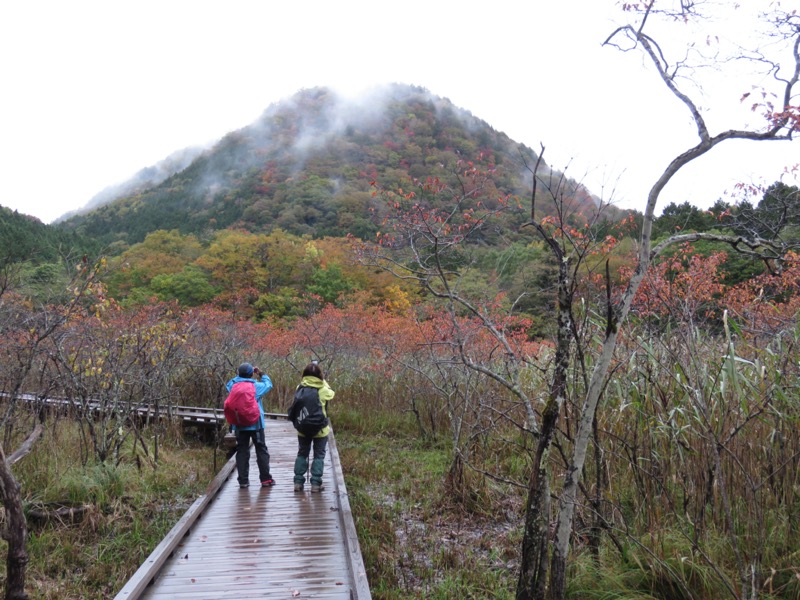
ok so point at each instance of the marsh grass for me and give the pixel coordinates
(676, 573)
(127, 510)
(416, 541)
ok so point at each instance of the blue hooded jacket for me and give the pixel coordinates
(262, 387)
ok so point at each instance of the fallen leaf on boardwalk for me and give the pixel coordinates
(334, 508)
(203, 538)
(194, 580)
(295, 593)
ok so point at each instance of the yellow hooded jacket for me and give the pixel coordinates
(325, 394)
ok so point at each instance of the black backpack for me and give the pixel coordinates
(306, 412)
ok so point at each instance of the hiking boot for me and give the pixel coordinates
(315, 489)
(268, 482)
(244, 485)
(298, 487)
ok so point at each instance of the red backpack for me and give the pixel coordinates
(240, 406)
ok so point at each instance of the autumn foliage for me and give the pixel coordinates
(697, 379)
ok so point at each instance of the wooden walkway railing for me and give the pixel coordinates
(188, 415)
(260, 542)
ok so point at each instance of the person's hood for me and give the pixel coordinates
(311, 381)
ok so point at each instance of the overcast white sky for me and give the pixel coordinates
(94, 91)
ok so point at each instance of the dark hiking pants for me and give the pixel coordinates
(243, 438)
(304, 444)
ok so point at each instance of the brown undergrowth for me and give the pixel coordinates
(121, 511)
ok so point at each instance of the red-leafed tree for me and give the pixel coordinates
(686, 286)
(768, 303)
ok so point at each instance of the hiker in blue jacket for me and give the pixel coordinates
(244, 434)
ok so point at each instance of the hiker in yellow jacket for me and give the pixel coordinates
(309, 414)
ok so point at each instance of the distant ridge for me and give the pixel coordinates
(142, 180)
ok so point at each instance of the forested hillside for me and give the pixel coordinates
(27, 239)
(306, 165)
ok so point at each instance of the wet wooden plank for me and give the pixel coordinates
(267, 542)
(358, 572)
(165, 550)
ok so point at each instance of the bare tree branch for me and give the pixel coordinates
(27, 445)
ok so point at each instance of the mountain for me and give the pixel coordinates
(141, 181)
(305, 166)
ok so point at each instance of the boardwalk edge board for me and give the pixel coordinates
(354, 559)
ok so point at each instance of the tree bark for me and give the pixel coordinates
(532, 584)
(15, 533)
(16, 529)
(533, 570)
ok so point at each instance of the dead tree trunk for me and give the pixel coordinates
(16, 530)
(532, 581)
(15, 533)
(535, 545)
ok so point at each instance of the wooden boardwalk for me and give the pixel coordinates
(188, 415)
(260, 542)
